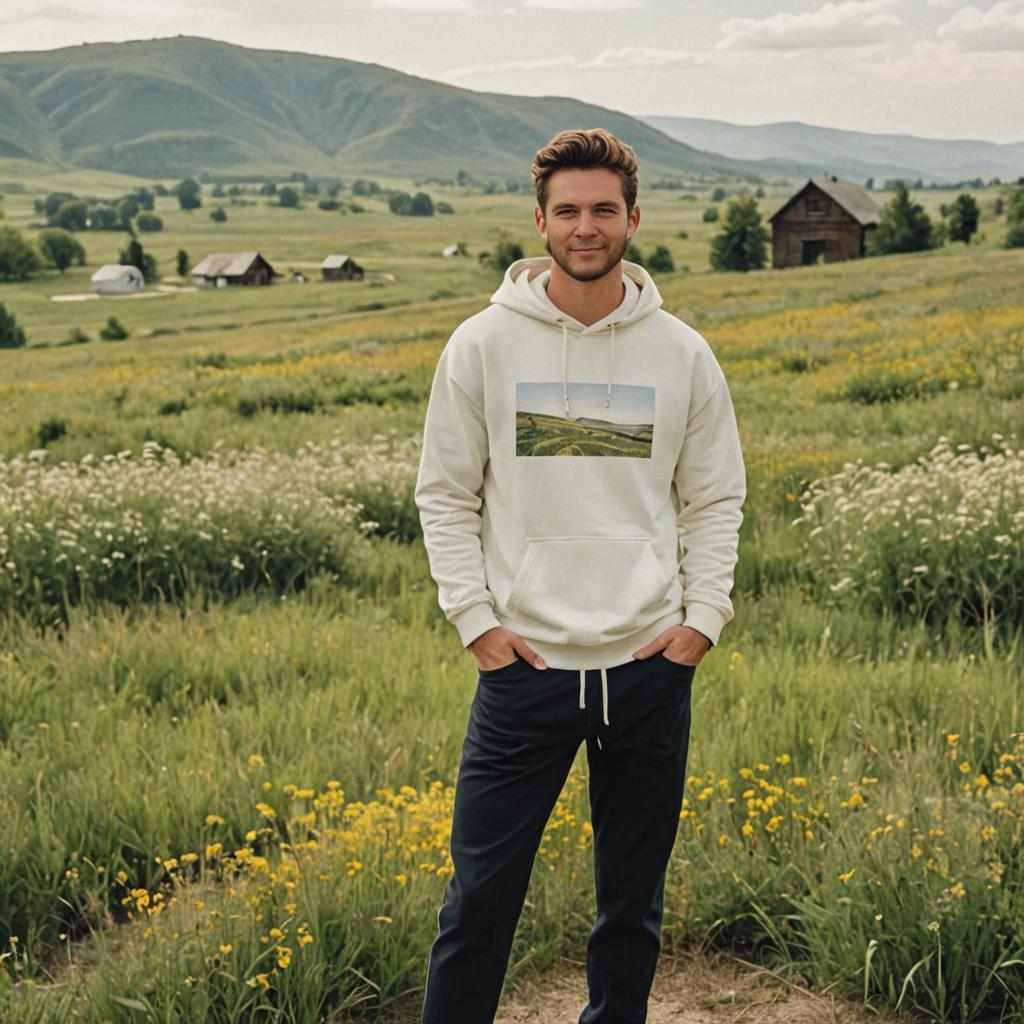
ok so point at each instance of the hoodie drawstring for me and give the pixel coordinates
(611, 362)
(565, 363)
(604, 692)
(565, 368)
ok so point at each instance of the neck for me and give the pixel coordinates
(586, 301)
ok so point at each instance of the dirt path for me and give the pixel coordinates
(689, 988)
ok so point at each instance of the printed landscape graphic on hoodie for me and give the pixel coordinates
(625, 428)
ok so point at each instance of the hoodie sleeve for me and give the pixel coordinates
(448, 494)
(711, 483)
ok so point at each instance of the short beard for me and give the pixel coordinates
(594, 273)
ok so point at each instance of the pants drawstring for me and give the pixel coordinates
(604, 692)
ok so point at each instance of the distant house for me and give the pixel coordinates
(115, 279)
(229, 268)
(341, 268)
(828, 219)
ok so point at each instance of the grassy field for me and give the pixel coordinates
(231, 711)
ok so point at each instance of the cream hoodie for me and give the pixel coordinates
(564, 466)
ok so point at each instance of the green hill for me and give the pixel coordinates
(169, 107)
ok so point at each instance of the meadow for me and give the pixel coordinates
(231, 711)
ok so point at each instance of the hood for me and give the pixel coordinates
(518, 293)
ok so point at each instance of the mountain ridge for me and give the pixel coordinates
(186, 104)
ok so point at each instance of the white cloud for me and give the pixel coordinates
(1001, 27)
(567, 62)
(850, 23)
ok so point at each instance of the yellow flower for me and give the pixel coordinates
(214, 819)
(401, 879)
(284, 957)
(799, 780)
(267, 811)
(225, 948)
(383, 918)
(847, 875)
(953, 738)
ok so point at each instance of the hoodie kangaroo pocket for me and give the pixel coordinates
(588, 590)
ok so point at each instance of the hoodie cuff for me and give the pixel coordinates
(473, 621)
(705, 619)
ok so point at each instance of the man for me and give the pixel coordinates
(562, 576)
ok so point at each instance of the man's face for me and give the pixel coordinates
(585, 226)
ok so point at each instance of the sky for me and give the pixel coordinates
(630, 403)
(937, 68)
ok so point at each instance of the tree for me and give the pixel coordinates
(288, 197)
(421, 206)
(189, 193)
(743, 241)
(710, 215)
(18, 259)
(149, 222)
(399, 202)
(11, 335)
(718, 195)
(219, 214)
(362, 187)
(104, 218)
(660, 261)
(127, 209)
(963, 218)
(51, 204)
(268, 188)
(60, 249)
(1015, 217)
(72, 215)
(506, 252)
(444, 207)
(182, 259)
(903, 226)
(136, 256)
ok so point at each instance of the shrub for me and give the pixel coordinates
(660, 261)
(50, 430)
(11, 335)
(113, 330)
(444, 207)
(710, 215)
(149, 222)
(219, 214)
(328, 204)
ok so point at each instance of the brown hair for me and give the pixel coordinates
(584, 148)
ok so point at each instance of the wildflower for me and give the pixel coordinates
(214, 819)
(847, 875)
(383, 918)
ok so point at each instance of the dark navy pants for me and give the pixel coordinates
(525, 727)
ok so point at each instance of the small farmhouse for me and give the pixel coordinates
(828, 219)
(229, 268)
(115, 279)
(341, 268)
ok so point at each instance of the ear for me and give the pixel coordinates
(632, 222)
(541, 222)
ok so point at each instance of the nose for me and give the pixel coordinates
(585, 224)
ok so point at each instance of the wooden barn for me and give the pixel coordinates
(828, 219)
(230, 268)
(341, 268)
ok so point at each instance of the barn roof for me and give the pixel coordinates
(333, 262)
(853, 198)
(226, 264)
(115, 272)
